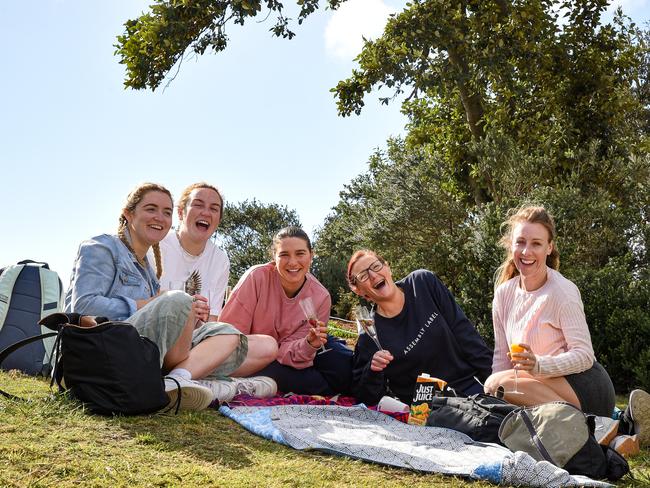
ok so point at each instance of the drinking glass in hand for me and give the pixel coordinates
(515, 348)
(307, 306)
(175, 285)
(366, 322)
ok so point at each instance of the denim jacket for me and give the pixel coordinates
(107, 280)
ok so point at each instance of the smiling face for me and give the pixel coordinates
(201, 215)
(150, 221)
(379, 287)
(292, 261)
(530, 246)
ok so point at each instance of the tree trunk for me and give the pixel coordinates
(474, 114)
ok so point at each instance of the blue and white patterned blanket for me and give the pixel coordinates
(372, 436)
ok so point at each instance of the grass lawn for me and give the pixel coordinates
(50, 441)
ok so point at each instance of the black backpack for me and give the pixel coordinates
(479, 416)
(108, 366)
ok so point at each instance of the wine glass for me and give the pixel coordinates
(307, 306)
(515, 348)
(210, 295)
(366, 322)
(176, 285)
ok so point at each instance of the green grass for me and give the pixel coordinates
(50, 441)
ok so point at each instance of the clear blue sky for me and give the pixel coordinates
(257, 120)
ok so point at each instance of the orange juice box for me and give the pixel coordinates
(426, 387)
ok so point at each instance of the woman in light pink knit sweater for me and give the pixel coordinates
(539, 310)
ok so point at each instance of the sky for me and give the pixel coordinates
(257, 120)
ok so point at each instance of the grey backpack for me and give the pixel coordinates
(29, 291)
(563, 435)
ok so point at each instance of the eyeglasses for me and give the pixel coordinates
(363, 275)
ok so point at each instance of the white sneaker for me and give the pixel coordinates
(640, 413)
(192, 395)
(606, 430)
(256, 386)
(222, 390)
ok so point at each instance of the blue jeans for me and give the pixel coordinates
(330, 374)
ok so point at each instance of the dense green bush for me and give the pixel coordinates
(617, 305)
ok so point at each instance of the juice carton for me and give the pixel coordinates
(426, 387)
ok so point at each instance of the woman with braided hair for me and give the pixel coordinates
(112, 277)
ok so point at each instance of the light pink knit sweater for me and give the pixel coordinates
(551, 320)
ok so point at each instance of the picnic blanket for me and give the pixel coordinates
(245, 400)
(361, 433)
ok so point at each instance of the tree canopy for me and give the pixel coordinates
(247, 230)
(547, 74)
(154, 42)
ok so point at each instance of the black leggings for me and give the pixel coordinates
(595, 390)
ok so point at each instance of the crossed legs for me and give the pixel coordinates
(535, 390)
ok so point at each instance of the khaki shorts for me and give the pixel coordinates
(162, 320)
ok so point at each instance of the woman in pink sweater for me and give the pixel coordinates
(539, 313)
(267, 300)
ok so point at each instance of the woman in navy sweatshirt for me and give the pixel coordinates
(422, 330)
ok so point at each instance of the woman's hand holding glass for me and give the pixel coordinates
(317, 335)
(522, 357)
(380, 360)
(200, 309)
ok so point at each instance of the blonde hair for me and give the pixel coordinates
(185, 196)
(535, 214)
(132, 201)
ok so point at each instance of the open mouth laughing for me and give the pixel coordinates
(203, 224)
(381, 283)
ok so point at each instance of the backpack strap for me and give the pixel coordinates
(51, 302)
(51, 292)
(9, 277)
(534, 437)
(15, 346)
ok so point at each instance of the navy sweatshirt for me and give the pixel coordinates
(430, 335)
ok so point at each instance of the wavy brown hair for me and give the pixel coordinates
(535, 214)
(132, 200)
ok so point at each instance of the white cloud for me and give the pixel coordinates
(352, 21)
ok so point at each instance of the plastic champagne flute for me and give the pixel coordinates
(176, 285)
(366, 322)
(307, 306)
(515, 348)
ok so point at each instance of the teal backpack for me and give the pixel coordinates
(29, 291)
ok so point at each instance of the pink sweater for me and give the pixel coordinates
(551, 320)
(258, 305)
